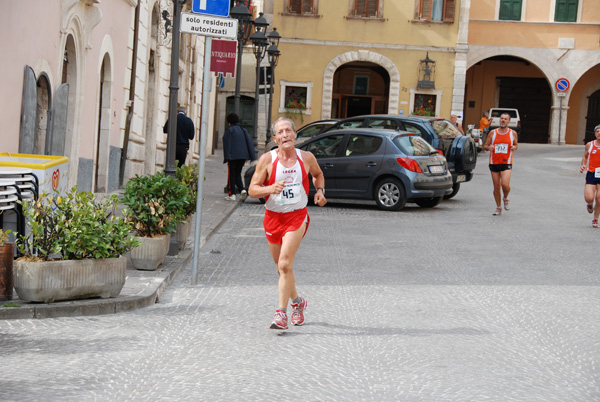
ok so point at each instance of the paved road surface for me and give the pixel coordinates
(446, 304)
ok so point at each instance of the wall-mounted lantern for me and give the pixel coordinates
(426, 77)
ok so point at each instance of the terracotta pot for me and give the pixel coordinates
(151, 253)
(7, 252)
(48, 281)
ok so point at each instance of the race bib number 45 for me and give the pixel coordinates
(289, 195)
(501, 148)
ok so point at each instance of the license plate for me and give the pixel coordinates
(436, 169)
(461, 178)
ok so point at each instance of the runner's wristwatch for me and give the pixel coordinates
(322, 189)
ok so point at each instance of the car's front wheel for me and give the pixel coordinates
(389, 194)
(428, 202)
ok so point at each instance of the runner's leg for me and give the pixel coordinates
(497, 188)
(505, 181)
(284, 255)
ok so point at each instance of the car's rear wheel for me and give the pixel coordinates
(428, 202)
(390, 195)
(455, 188)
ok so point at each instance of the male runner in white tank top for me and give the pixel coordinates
(281, 177)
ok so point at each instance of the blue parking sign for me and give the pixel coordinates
(211, 7)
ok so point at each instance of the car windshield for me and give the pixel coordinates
(413, 146)
(445, 129)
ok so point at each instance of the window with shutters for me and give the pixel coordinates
(367, 9)
(435, 10)
(566, 10)
(510, 10)
(301, 7)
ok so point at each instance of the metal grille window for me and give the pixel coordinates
(566, 10)
(510, 10)
(366, 8)
(301, 7)
(435, 10)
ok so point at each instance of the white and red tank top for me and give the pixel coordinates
(594, 158)
(295, 193)
(501, 152)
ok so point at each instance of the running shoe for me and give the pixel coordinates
(230, 197)
(243, 195)
(506, 204)
(298, 313)
(595, 223)
(590, 208)
(280, 321)
(498, 211)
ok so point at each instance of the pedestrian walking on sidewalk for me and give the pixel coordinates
(281, 177)
(484, 126)
(185, 133)
(501, 143)
(591, 163)
(237, 149)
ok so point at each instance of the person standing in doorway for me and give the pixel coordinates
(185, 133)
(281, 177)
(237, 149)
(501, 143)
(590, 163)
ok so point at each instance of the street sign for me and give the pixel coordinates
(211, 7)
(207, 25)
(562, 85)
(223, 55)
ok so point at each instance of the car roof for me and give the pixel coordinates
(367, 130)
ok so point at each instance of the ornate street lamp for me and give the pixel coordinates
(273, 54)
(259, 48)
(241, 13)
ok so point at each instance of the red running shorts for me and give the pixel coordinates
(277, 224)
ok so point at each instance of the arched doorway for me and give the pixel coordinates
(511, 82)
(69, 77)
(593, 116)
(360, 88)
(42, 123)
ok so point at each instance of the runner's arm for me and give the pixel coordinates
(257, 189)
(584, 160)
(515, 145)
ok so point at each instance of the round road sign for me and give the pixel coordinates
(562, 85)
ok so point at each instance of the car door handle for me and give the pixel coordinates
(371, 164)
(327, 165)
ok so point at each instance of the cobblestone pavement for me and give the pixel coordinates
(442, 304)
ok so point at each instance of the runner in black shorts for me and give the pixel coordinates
(591, 163)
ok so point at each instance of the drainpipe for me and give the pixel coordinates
(131, 100)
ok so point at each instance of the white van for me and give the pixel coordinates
(515, 119)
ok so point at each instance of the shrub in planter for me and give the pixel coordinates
(73, 248)
(188, 176)
(156, 203)
(75, 227)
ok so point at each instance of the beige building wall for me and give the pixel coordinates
(549, 50)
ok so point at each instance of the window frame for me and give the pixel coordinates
(448, 11)
(512, 2)
(314, 9)
(283, 89)
(354, 12)
(577, 10)
(420, 91)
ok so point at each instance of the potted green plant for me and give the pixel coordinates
(7, 253)
(73, 248)
(188, 176)
(156, 203)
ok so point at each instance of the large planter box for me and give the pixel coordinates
(48, 281)
(151, 253)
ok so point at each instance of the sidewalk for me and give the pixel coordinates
(143, 288)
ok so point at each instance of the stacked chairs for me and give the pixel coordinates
(25, 179)
(10, 194)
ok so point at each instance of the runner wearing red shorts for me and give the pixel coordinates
(591, 163)
(501, 143)
(281, 177)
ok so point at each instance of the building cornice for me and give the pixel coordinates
(390, 46)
